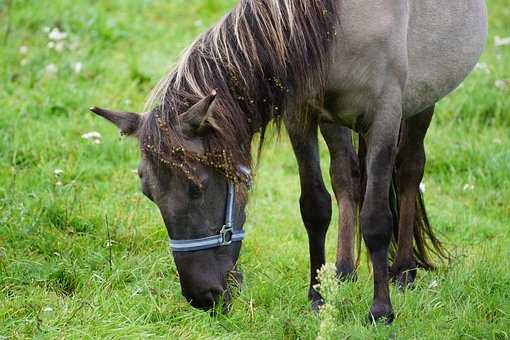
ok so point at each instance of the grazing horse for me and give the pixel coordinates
(332, 65)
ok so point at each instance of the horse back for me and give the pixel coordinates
(430, 46)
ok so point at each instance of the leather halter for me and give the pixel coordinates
(227, 234)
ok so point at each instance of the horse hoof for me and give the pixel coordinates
(346, 273)
(381, 314)
(316, 301)
(317, 305)
(403, 277)
(404, 282)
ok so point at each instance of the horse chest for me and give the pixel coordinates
(354, 90)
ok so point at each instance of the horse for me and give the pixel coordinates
(373, 67)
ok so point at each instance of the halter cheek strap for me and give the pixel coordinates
(227, 234)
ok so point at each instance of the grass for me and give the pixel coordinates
(63, 273)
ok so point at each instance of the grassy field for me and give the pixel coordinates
(83, 254)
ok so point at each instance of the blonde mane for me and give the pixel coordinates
(260, 58)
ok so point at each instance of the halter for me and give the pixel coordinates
(227, 234)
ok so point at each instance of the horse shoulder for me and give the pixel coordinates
(369, 56)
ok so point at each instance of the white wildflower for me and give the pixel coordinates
(47, 309)
(57, 35)
(93, 136)
(59, 46)
(110, 243)
(501, 84)
(56, 45)
(468, 187)
(58, 172)
(23, 50)
(51, 69)
(77, 67)
(59, 183)
(483, 67)
(498, 41)
(434, 284)
(46, 29)
(422, 187)
(24, 61)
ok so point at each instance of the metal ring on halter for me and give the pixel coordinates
(227, 234)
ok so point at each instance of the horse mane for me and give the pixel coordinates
(261, 58)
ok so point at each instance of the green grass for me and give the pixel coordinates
(60, 278)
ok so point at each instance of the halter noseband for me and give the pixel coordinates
(227, 234)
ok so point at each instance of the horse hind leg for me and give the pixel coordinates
(409, 169)
(345, 179)
(315, 203)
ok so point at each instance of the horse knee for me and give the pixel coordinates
(411, 169)
(376, 227)
(316, 209)
(345, 173)
(345, 180)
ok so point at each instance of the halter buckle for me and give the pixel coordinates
(226, 233)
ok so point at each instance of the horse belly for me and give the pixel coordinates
(445, 41)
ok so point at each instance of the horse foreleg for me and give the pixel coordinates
(315, 203)
(345, 179)
(410, 164)
(376, 217)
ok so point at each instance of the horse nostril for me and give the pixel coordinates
(203, 301)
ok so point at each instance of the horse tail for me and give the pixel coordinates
(426, 245)
(426, 242)
(362, 159)
(395, 214)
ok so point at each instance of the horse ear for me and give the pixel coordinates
(198, 120)
(127, 122)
